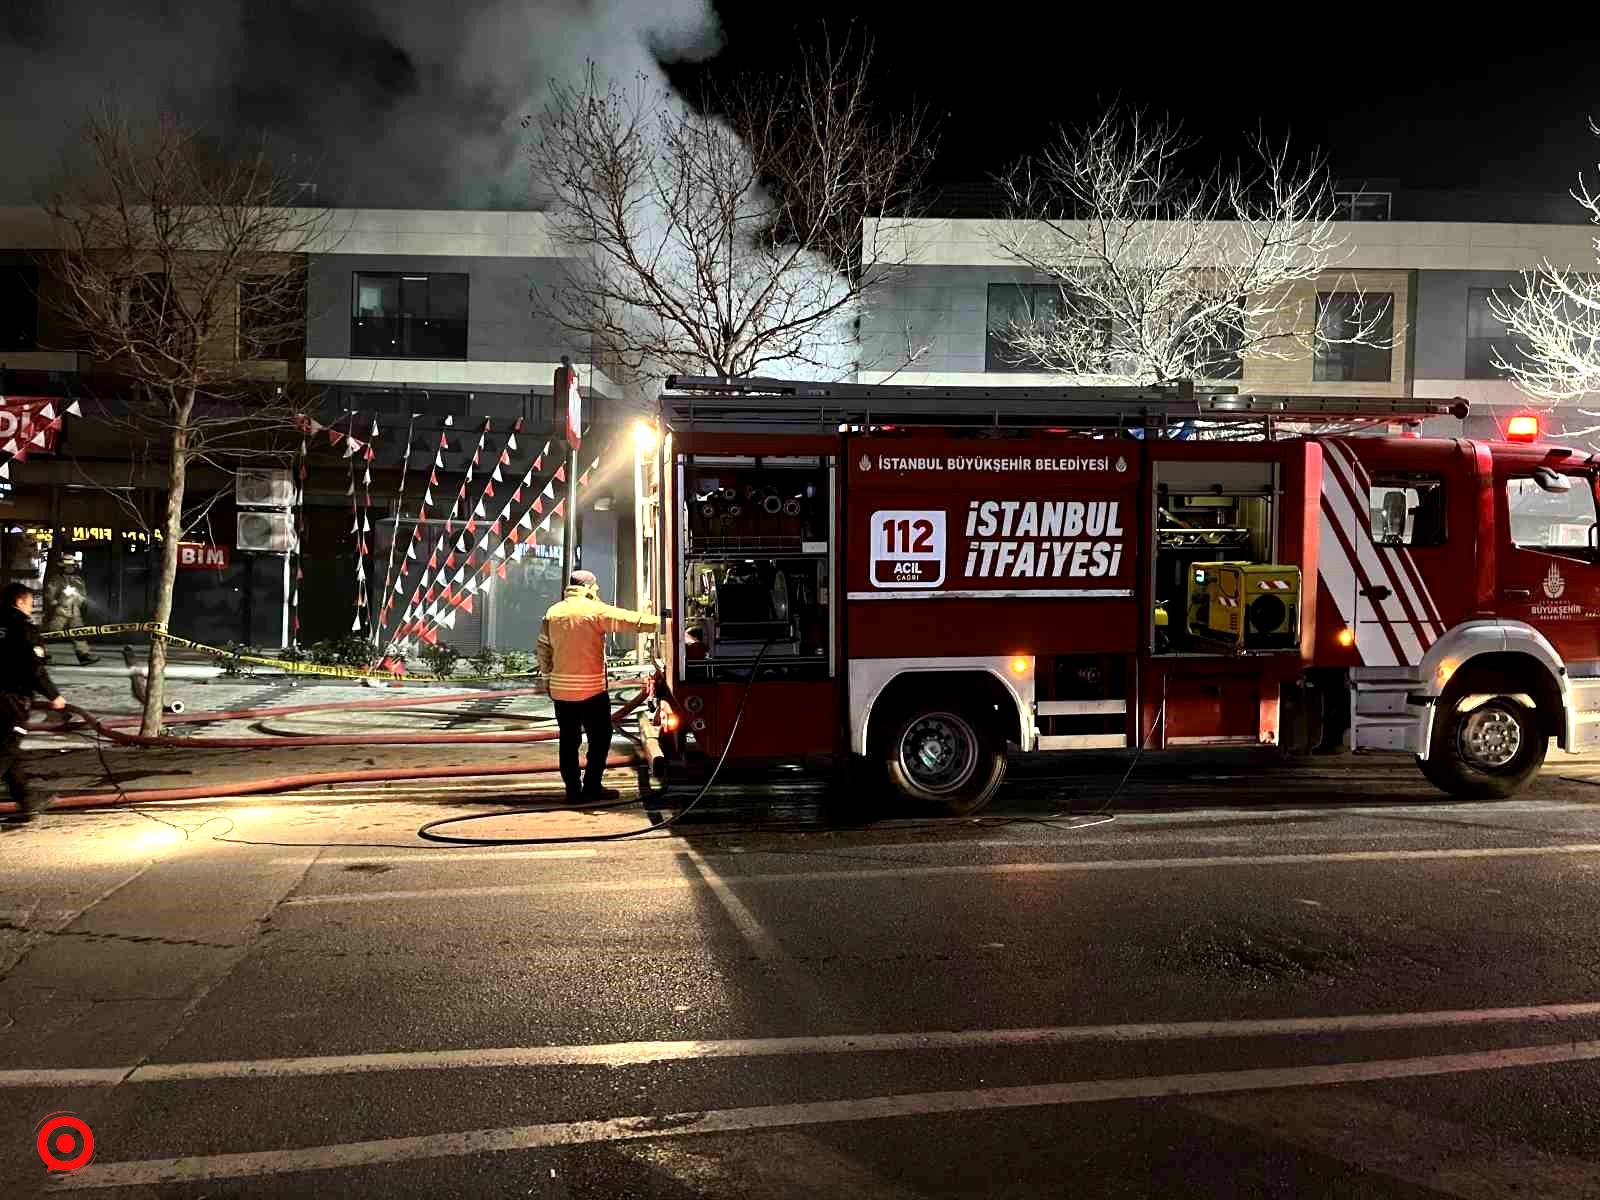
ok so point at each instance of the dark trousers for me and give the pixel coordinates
(589, 718)
(16, 779)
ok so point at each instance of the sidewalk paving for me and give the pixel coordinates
(71, 763)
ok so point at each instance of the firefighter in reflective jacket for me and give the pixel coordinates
(572, 655)
(22, 674)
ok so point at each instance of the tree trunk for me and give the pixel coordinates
(171, 534)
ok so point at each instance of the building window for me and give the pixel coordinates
(271, 318)
(1407, 510)
(1488, 337)
(1029, 304)
(409, 316)
(1362, 206)
(19, 308)
(1343, 316)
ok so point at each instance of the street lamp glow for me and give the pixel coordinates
(644, 437)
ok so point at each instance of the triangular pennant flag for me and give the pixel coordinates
(494, 527)
(38, 438)
(448, 620)
(511, 438)
(544, 525)
(433, 479)
(561, 474)
(361, 570)
(369, 454)
(48, 412)
(556, 512)
(501, 571)
(583, 480)
(526, 522)
(355, 626)
(374, 432)
(399, 588)
(488, 489)
(461, 573)
(495, 474)
(449, 420)
(472, 589)
(500, 550)
(466, 605)
(527, 478)
(538, 505)
(488, 582)
(5, 470)
(438, 461)
(364, 549)
(433, 561)
(411, 552)
(516, 426)
(516, 496)
(366, 524)
(427, 496)
(538, 464)
(505, 458)
(478, 512)
(475, 454)
(333, 437)
(449, 560)
(472, 524)
(366, 477)
(515, 537)
(77, 410)
(549, 492)
(350, 490)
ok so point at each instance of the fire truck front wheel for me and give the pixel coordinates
(945, 757)
(1486, 752)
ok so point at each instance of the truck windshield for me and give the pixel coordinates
(1547, 520)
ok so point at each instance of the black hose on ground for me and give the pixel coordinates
(426, 832)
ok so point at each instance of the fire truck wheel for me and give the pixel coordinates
(1487, 752)
(941, 757)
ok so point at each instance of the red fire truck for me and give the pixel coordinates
(932, 577)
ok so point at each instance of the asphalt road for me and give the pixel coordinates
(1316, 981)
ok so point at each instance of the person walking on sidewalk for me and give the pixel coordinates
(572, 655)
(22, 674)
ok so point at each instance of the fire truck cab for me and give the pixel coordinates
(921, 580)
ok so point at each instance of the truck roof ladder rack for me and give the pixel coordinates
(692, 401)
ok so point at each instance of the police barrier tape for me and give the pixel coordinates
(157, 629)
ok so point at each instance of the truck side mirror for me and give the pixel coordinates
(1552, 481)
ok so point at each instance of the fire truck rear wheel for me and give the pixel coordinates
(945, 757)
(1487, 752)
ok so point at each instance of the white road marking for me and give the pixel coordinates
(679, 882)
(628, 1054)
(151, 1172)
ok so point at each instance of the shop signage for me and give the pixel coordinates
(20, 421)
(200, 556)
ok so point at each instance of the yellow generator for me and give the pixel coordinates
(1247, 606)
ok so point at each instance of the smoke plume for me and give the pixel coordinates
(406, 103)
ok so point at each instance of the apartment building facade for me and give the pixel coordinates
(952, 302)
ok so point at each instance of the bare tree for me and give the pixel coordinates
(180, 264)
(1162, 276)
(1555, 318)
(728, 238)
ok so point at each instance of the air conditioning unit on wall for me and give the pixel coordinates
(259, 488)
(270, 531)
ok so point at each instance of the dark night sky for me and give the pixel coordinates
(416, 102)
(1474, 109)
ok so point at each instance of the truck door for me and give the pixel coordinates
(1548, 575)
(1383, 551)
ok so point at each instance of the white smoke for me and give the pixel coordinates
(383, 102)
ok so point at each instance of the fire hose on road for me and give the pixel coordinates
(115, 731)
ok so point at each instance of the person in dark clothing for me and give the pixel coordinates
(22, 674)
